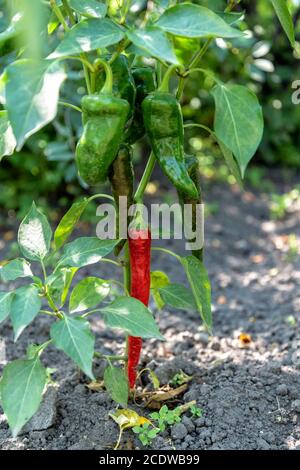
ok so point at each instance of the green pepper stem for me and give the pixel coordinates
(145, 178)
(108, 85)
(164, 86)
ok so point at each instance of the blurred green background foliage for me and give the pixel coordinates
(44, 170)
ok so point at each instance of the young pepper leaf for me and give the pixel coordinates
(116, 383)
(32, 106)
(68, 222)
(282, 11)
(14, 269)
(21, 388)
(200, 285)
(238, 121)
(85, 250)
(132, 316)
(34, 235)
(25, 306)
(88, 293)
(74, 337)
(155, 42)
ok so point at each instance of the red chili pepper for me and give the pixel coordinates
(139, 241)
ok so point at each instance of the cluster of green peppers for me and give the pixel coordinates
(126, 106)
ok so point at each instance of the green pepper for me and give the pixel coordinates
(104, 119)
(145, 83)
(123, 82)
(191, 163)
(121, 177)
(164, 125)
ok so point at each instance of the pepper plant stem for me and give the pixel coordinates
(145, 178)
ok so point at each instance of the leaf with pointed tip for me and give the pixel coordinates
(34, 236)
(88, 293)
(14, 269)
(238, 121)
(195, 21)
(74, 337)
(200, 285)
(155, 42)
(25, 306)
(88, 35)
(116, 384)
(85, 250)
(132, 316)
(31, 92)
(21, 389)
(282, 11)
(68, 222)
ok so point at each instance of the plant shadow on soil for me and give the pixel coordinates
(250, 396)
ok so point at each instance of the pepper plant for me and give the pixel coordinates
(136, 58)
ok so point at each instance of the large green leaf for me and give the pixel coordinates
(86, 250)
(285, 18)
(74, 337)
(88, 293)
(89, 8)
(34, 235)
(195, 21)
(32, 90)
(7, 138)
(132, 316)
(155, 42)
(87, 36)
(200, 285)
(238, 121)
(25, 306)
(14, 269)
(68, 222)
(21, 389)
(5, 304)
(116, 383)
(178, 296)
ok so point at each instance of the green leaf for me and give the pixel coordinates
(285, 18)
(59, 284)
(231, 163)
(25, 306)
(74, 337)
(158, 279)
(88, 293)
(195, 21)
(7, 138)
(13, 30)
(238, 121)
(32, 90)
(116, 384)
(21, 389)
(86, 250)
(68, 222)
(5, 304)
(155, 42)
(14, 269)
(87, 36)
(200, 285)
(132, 316)
(178, 296)
(34, 235)
(89, 8)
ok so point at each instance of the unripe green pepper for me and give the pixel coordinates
(191, 163)
(164, 125)
(145, 83)
(121, 177)
(104, 118)
(123, 82)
